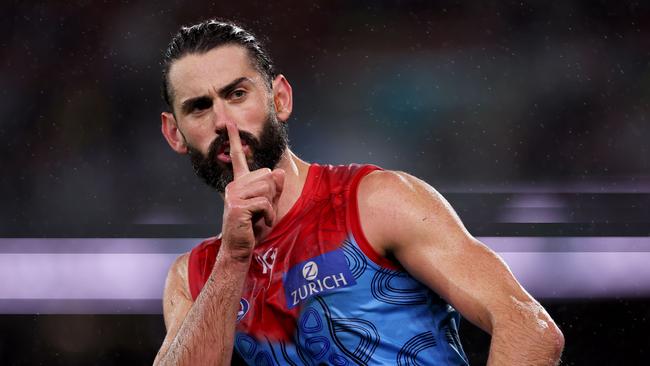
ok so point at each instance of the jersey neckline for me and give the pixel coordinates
(311, 181)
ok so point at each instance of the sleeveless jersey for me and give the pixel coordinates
(318, 294)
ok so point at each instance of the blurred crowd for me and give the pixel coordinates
(459, 93)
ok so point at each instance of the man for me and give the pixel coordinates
(318, 264)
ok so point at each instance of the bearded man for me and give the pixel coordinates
(318, 264)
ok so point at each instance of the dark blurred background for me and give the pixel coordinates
(530, 117)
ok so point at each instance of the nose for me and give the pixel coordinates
(221, 115)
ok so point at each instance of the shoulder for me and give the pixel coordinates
(377, 180)
(396, 208)
(178, 275)
(177, 290)
(390, 190)
(179, 266)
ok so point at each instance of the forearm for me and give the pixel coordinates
(207, 334)
(521, 344)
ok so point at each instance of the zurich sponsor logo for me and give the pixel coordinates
(243, 309)
(319, 275)
(310, 271)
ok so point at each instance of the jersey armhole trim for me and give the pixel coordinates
(354, 222)
(192, 272)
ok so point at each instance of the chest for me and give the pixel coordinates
(304, 261)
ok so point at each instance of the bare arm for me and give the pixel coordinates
(177, 302)
(203, 333)
(405, 217)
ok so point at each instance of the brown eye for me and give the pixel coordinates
(238, 94)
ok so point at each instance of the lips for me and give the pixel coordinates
(223, 154)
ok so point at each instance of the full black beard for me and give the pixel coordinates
(267, 151)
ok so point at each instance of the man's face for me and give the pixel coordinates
(218, 86)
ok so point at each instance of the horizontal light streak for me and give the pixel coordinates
(105, 281)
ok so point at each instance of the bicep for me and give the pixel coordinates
(177, 300)
(414, 223)
(470, 276)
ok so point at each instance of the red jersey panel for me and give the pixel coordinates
(316, 224)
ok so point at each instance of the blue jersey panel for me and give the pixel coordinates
(376, 316)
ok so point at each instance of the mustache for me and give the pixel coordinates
(222, 138)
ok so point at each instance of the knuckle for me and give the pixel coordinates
(236, 205)
(268, 203)
(264, 202)
(266, 186)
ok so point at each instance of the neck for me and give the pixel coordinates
(295, 170)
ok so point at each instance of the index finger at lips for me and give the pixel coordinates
(237, 156)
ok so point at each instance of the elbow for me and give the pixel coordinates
(550, 340)
(535, 330)
(529, 343)
(555, 342)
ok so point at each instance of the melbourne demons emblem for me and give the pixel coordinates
(267, 260)
(316, 276)
(243, 309)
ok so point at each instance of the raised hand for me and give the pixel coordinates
(250, 198)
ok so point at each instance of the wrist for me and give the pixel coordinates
(234, 257)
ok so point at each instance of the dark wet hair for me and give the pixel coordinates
(205, 36)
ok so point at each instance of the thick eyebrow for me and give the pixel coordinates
(188, 105)
(224, 91)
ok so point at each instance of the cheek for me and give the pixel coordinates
(252, 116)
(200, 138)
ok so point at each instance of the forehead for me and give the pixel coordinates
(198, 74)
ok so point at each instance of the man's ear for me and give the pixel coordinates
(172, 134)
(282, 97)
